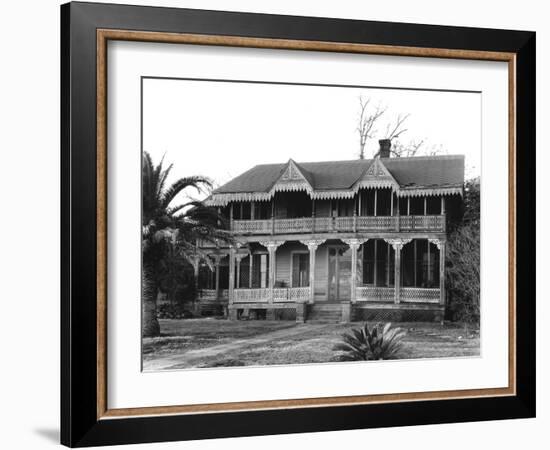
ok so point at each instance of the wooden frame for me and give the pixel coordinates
(85, 416)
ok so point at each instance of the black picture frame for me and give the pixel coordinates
(80, 425)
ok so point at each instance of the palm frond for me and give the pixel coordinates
(196, 182)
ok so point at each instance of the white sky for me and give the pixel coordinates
(221, 129)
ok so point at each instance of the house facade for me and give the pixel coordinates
(337, 240)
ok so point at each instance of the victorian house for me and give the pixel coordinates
(335, 240)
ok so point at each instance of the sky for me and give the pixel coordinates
(222, 129)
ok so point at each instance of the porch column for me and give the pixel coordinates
(250, 270)
(196, 262)
(441, 246)
(398, 213)
(238, 261)
(196, 265)
(312, 246)
(354, 245)
(231, 293)
(442, 299)
(217, 274)
(272, 249)
(397, 245)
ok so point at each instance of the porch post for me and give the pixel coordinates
(354, 246)
(217, 271)
(272, 249)
(312, 246)
(231, 292)
(442, 246)
(397, 276)
(250, 270)
(238, 260)
(196, 307)
(375, 271)
(196, 274)
(397, 245)
(398, 213)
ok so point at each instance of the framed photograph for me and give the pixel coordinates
(277, 224)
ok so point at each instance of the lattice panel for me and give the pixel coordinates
(344, 223)
(323, 224)
(430, 223)
(420, 295)
(300, 225)
(280, 295)
(299, 294)
(375, 294)
(376, 223)
(396, 315)
(250, 295)
(252, 226)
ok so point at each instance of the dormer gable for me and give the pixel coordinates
(293, 178)
(377, 175)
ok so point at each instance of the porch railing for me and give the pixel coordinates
(387, 294)
(339, 224)
(420, 295)
(262, 295)
(210, 294)
(375, 294)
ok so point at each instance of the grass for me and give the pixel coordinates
(222, 343)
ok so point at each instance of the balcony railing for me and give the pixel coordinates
(340, 224)
(262, 295)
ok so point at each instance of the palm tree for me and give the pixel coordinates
(171, 229)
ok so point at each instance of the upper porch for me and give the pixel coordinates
(371, 210)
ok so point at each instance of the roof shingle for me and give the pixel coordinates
(419, 171)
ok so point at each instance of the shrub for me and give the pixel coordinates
(173, 311)
(362, 344)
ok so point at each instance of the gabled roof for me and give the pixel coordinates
(420, 175)
(293, 177)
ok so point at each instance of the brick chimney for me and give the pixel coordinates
(385, 147)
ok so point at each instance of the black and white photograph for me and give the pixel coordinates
(295, 223)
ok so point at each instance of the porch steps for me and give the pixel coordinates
(329, 312)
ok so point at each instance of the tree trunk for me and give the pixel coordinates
(149, 323)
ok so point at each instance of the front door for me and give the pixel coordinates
(339, 273)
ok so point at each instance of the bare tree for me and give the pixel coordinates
(369, 116)
(406, 150)
(367, 120)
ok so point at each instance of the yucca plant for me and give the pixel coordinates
(362, 344)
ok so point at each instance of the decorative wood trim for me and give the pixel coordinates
(224, 199)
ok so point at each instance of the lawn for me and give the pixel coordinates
(217, 343)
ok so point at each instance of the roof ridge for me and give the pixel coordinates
(424, 157)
